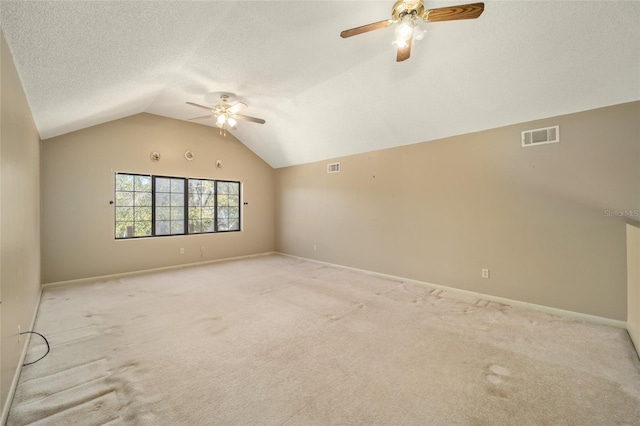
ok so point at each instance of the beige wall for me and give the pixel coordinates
(544, 219)
(633, 284)
(19, 219)
(78, 183)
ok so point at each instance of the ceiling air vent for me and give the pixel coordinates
(541, 136)
(333, 168)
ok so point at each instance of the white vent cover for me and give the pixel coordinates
(541, 136)
(333, 168)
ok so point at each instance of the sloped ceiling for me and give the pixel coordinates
(88, 62)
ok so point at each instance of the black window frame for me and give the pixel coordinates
(186, 219)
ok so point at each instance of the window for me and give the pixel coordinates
(133, 206)
(228, 206)
(202, 206)
(169, 205)
(148, 206)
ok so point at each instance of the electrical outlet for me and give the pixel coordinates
(201, 251)
(485, 273)
(18, 334)
(181, 250)
(315, 247)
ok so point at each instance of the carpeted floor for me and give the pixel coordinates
(278, 341)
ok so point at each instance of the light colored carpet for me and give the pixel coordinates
(279, 341)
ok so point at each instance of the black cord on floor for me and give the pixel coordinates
(45, 340)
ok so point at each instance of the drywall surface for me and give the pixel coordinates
(19, 219)
(548, 221)
(78, 172)
(633, 284)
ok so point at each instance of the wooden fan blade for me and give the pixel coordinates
(236, 108)
(452, 13)
(201, 117)
(247, 118)
(366, 28)
(404, 52)
(200, 106)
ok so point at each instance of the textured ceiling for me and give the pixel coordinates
(89, 62)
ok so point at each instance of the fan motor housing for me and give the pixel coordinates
(405, 7)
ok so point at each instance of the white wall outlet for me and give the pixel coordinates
(485, 273)
(18, 334)
(315, 247)
(181, 250)
(201, 251)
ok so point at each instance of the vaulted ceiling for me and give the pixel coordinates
(88, 62)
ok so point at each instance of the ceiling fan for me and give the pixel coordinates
(226, 114)
(409, 13)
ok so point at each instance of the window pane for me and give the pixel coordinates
(124, 229)
(177, 200)
(177, 227)
(223, 212)
(124, 198)
(195, 185)
(142, 198)
(208, 199)
(223, 225)
(177, 213)
(208, 213)
(163, 227)
(142, 214)
(234, 212)
(223, 188)
(234, 200)
(163, 185)
(195, 213)
(142, 183)
(234, 188)
(223, 200)
(177, 186)
(163, 213)
(234, 225)
(124, 214)
(208, 185)
(163, 200)
(124, 183)
(195, 226)
(142, 229)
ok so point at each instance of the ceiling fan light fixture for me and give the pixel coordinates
(418, 33)
(404, 31)
(225, 114)
(408, 14)
(400, 43)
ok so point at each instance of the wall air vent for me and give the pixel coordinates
(541, 136)
(333, 168)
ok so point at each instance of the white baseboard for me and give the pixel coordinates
(546, 309)
(148, 271)
(16, 376)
